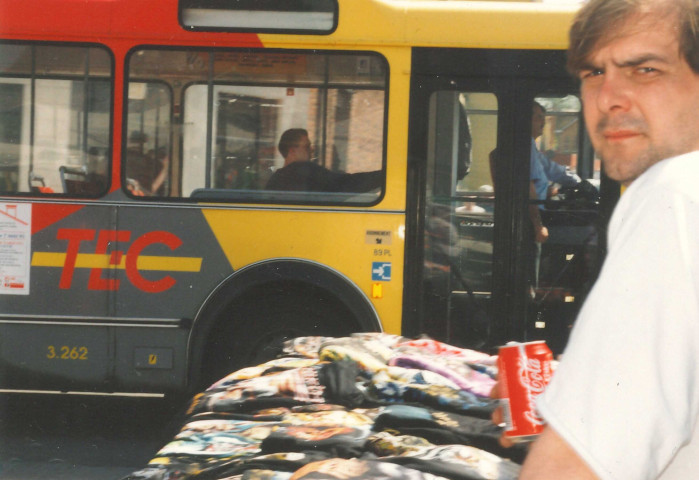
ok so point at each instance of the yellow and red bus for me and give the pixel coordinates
(141, 249)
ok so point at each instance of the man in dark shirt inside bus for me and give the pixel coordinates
(301, 174)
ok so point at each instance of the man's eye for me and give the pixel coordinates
(646, 70)
(590, 73)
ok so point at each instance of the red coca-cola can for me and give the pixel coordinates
(524, 370)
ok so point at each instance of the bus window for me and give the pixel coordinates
(462, 131)
(235, 106)
(55, 114)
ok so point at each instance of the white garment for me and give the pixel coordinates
(626, 393)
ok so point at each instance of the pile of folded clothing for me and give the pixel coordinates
(372, 405)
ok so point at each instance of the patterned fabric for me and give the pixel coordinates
(457, 462)
(455, 369)
(344, 408)
(371, 356)
(277, 365)
(417, 388)
(354, 469)
(290, 387)
(384, 444)
(339, 440)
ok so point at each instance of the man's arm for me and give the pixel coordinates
(558, 173)
(550, 458)
(541, 233)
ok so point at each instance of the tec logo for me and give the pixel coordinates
(104, 258)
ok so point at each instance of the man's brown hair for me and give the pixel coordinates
(598, 21)
(290, 138)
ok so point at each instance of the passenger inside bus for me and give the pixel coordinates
(146, 172)
(300, 173)
(162, 162)
(544, 174)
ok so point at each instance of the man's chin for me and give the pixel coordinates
(627, 168)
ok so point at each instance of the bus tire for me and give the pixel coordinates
(253, 330)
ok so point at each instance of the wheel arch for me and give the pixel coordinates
(244, 285)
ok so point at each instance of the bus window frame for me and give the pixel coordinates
(31, 77)
(260, 196)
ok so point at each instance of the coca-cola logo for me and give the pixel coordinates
(531, 374)
(532, 415)
(533, 378)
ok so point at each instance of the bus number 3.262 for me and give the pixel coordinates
(66, 353)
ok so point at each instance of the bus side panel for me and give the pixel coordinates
(173, 262)
(150, 266)
(364, 247)
(57, 357)
(111, 291)
(56, 271)
(150, 359)
(95, 358)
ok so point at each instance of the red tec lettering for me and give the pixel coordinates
(75, 236)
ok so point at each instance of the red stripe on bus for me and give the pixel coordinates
(44, 215)
(95, 19)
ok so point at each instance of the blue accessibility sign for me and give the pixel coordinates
(381, 271)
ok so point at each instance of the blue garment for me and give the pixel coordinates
(543, 172)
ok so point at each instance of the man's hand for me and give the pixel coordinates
(541, 234)
(497, 417)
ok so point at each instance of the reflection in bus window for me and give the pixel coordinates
(54, 118)
(459, 211)
(236, 105)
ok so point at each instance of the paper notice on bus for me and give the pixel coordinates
(15, 248)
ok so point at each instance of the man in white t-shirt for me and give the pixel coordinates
(624, 401)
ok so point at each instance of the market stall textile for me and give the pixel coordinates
(371, 405)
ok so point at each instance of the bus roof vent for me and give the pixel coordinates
(318, 17)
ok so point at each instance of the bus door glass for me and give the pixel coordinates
(459, 215)
(565, 180)
(511, 238)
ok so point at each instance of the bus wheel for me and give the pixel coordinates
(254, 331)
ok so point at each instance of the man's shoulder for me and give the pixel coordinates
(678, 174)
(299, 176)
(288, 177)
(662, 185)
(302, 168)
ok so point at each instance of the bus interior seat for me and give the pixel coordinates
(75, 182)
(37, 183)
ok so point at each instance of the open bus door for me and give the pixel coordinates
(477, 275)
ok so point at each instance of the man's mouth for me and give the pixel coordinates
(619, 135)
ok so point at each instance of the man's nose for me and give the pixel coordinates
(614, 93)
